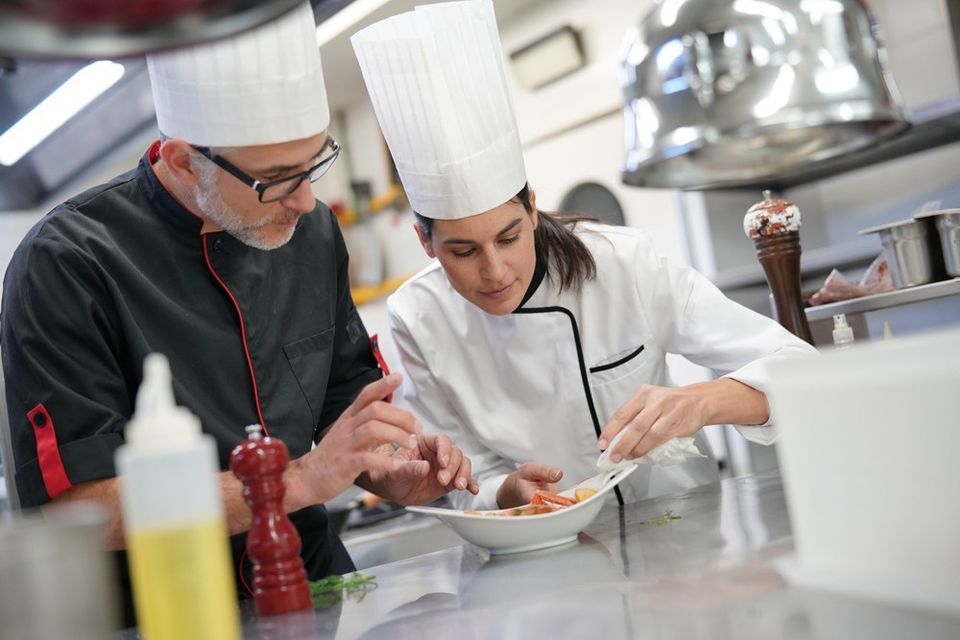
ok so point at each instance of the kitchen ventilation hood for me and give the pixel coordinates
(727, 93)
(115, 28)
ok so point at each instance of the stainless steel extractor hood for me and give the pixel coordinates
(723, 93)
(114, 28)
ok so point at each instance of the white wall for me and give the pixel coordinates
(885, 193)
(592, 90)
(593, 153)
(920, 47)
(368, 151)
(335, 184)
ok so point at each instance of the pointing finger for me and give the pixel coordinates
(374, 391)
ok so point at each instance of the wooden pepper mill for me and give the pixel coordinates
(774, 226)
(273, 543)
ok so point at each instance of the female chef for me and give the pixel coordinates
(534, 340)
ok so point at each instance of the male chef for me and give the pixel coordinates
(214, 252)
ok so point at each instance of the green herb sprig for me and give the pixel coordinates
(331, 590)
(666, 518)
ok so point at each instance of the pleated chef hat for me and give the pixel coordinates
(260, 87)
(436, 79)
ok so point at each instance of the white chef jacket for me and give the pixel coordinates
(540, 383)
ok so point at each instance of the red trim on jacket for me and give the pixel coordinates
(153, 153)
(55, 479)
(381, 362)
(243, 334)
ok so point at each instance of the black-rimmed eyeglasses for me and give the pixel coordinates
(274, 190)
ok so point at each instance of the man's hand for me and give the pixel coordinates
(518, 487)
(431, 470)
(655, 415)
(354, 445)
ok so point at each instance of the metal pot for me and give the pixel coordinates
(720, 93)
(907, 250)
(948, 227)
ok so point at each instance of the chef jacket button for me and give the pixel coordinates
(218, 245)
(40, 420)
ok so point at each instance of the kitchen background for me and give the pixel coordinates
(571, 126)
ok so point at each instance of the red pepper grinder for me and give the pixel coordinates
(273, 543)
(774, 226)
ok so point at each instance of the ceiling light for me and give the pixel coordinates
(61, 105)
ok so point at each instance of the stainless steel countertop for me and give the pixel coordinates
(709, 574)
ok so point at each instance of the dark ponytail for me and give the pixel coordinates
(565, 255)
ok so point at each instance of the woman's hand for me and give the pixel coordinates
(655, 415)
(651, 417)
(423, 474)
(518, 487)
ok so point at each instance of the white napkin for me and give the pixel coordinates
(670, 452)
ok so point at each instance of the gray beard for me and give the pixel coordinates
(212, 205)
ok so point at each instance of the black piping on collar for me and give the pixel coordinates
(539, 272)
(584, 379)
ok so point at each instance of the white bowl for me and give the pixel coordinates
(502, 535)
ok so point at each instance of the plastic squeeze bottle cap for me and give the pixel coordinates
(842, 333)
(158, 423)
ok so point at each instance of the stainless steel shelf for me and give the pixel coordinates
(885, 300)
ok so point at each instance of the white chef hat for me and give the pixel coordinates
(260, 87)
(436, 79)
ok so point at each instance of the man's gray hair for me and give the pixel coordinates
(205, 169)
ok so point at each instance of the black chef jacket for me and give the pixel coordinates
(252, 336)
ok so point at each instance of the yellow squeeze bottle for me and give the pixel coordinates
(173, 517)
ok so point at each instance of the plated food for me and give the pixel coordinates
(542, 502)
(550, 519)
